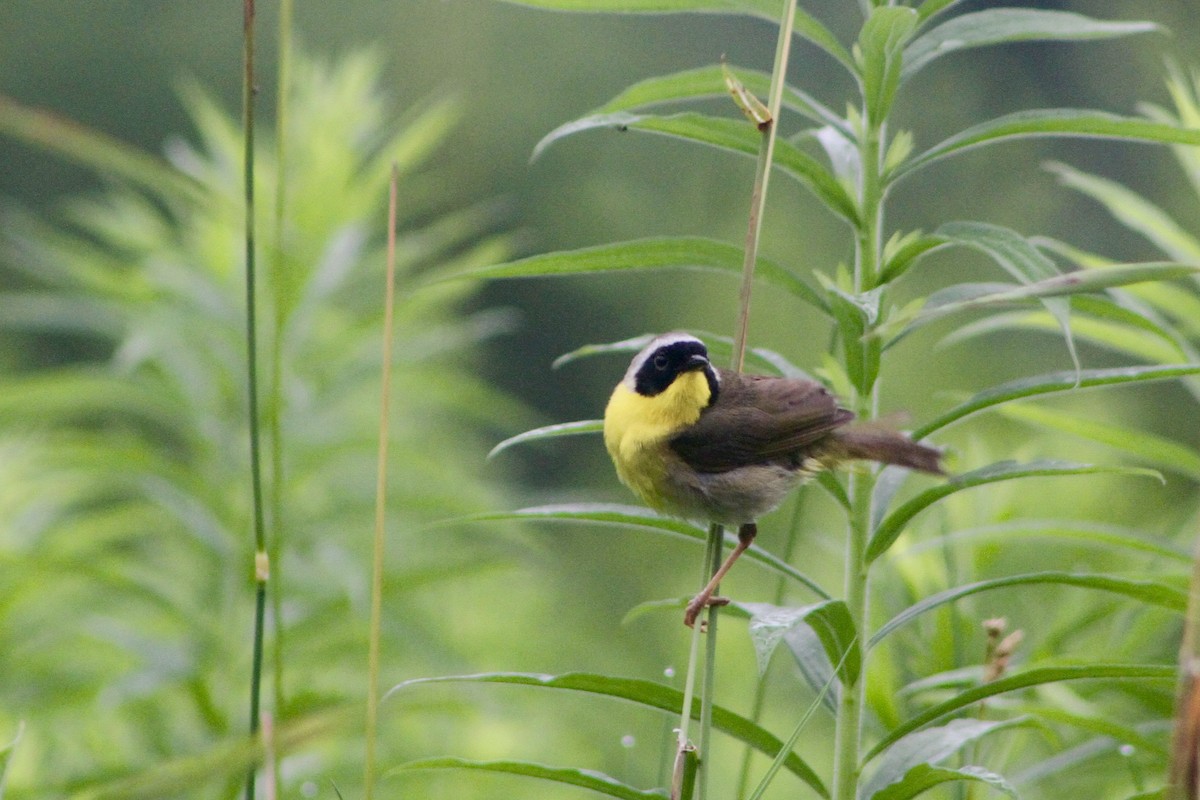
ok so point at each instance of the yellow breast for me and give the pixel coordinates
(637, 428)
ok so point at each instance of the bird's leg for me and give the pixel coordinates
(746, 535)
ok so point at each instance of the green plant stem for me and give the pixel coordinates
(760, 688)
(709, 683)
(380, 500)
(711, 551)
(849, 724)
(276, 403)
(261, 560)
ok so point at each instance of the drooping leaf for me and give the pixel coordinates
(1150, 592)
(885, 535)
(725, 133)
(829, 619)
(1035, 676)
(1052, 383)
(644, 693)
(549, 432)
(690, 252)
(610, 514)
(584, 778)
(909, 766)
(1002, 25)
(1069, 122)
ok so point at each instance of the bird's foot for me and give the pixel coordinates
(699, 603)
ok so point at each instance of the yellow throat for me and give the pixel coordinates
(637, 427)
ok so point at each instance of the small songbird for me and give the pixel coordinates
(696, 441)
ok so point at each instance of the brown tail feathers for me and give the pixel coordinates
(876, 443)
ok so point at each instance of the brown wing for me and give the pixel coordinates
(758, 419)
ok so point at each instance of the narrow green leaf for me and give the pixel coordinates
(632, 345)
(766, 9)
(812, 659)
(704, 82)
(6, 755)
(1090, 534)
(1070, 122)
(1101, 725)
(1151, 592)
(1014, 253)
(1020, 258)
(905, 770)
(725, 133)
(644, 693)
(894, 523)
(1157, 451)
(810, 28)
(1133, 211)
(1002, 25)
(584, 778)
(1120, 337)
(644, 254)
(907, 253)
(1036, 676)
(228, 758)
(105, 154)
(764, 360)
(931, 8)
(830, 620)
(645, 519)
(923, 777)
(550, 432)
(879, 54)
(972, 296)
(1052, 383)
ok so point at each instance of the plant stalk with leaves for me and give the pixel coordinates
(860, 159)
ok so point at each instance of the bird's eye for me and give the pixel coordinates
(660, 361)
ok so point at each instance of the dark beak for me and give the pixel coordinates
(696, 361)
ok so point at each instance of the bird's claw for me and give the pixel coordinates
(698, 604)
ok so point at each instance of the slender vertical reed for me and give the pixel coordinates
(262, 569)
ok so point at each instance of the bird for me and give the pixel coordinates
(699, 442)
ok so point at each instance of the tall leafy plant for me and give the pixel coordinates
(125, 504)
(911, 708)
